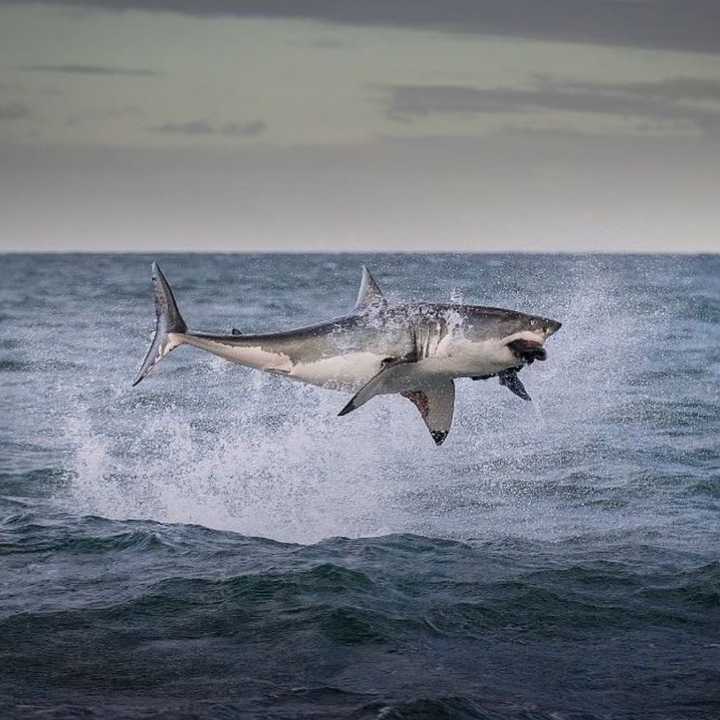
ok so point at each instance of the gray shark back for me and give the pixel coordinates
(344, 335)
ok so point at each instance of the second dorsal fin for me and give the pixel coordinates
(370, 295)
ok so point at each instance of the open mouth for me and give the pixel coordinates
(527, 351)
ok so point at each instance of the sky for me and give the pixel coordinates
(338, 125)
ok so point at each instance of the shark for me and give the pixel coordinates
(415, 350)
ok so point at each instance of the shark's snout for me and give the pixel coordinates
(551, 326)
(542, 327)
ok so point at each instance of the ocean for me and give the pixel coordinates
(217, 543)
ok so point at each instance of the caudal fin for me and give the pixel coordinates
(169, 321)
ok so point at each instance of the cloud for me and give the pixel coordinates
(14, 111)
(251, 129)
(689, 25)
(674, 99)
(89, 70)
(203, 127)
(676, 88)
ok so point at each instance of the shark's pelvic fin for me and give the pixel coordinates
(436, 404)
(512, 382)
(379, 384)
(168, 320)
(370, 295)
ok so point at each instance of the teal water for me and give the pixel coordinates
(216, 543)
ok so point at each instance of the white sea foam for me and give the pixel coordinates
(233, 449)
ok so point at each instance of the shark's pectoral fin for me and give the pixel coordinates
(381, 383)
(436, 404)
(512, 382)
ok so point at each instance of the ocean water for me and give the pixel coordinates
(216, 543)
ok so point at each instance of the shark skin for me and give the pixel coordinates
(414, 350)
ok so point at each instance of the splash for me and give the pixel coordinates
(227, 448)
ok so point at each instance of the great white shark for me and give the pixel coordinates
(415, 350)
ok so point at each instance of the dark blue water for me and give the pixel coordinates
(216, 543)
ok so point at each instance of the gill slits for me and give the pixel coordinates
(427, 335)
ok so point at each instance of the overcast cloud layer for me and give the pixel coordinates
(665, 101)
(89, 70)
(331, 125)
(690, 25)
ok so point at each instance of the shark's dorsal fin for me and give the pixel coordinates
(370, 295)
(436, 404)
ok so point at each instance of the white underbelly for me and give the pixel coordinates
(465, 359)
(348, 372)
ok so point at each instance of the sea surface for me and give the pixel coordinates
(217, 543)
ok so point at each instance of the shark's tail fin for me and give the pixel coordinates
(168, 326)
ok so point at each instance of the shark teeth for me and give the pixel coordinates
(528, 350)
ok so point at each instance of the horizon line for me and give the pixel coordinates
(639, 253)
